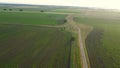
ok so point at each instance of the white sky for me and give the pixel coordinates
(114, 4)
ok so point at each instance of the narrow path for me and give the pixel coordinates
(82, 50)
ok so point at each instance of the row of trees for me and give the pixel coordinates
(11, 9)
(19, 10)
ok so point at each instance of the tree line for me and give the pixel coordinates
(11, 9)
(19, 10)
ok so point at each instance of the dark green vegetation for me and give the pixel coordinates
(31, 18)
(93, 42)
(34, 47)
(75, 55)
(103, 43)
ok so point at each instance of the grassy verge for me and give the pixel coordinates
(75, 54)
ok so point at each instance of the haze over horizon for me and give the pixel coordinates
(106, 4)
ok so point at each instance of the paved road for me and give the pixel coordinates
(82, 50)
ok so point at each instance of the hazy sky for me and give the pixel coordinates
(83, 3)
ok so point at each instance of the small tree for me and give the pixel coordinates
(10, 9)
(65, 20)
(4, 9)
(42, 11)
(73, 39)
(21, 10)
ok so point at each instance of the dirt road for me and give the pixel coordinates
(82, 50)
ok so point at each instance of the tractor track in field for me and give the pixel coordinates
(57, 26)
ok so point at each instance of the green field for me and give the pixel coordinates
(33, 39)
(31, 18)
(34, 47)
(25, 44)
(66, 10)
(103, 43)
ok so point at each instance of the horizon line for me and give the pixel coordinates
(61, 6)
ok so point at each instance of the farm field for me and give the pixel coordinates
(37, 47)
(67, 10)
(31, 39)
(58, 37)
(103, 42)
(31, 18)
